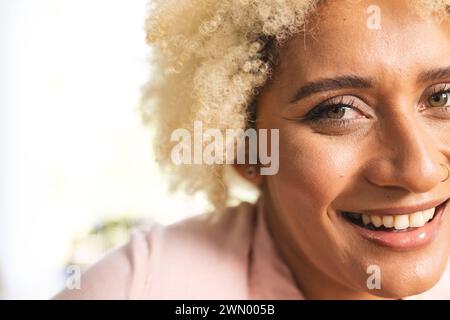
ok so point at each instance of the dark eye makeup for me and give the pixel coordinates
(331, 113)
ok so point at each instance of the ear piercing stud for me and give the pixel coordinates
(250, 172)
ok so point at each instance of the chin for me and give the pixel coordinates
(405, 274)
(396, 288)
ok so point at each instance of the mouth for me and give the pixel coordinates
(398, 231)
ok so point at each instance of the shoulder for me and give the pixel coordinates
(200, 257)
(205, 234)
(203, 257)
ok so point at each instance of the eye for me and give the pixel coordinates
(339, 112)
(341, 109)
(440, 99)
(436, 101)
(337, 115)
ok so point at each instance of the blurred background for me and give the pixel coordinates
(76, 165)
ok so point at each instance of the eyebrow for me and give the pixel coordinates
(341, 82)
(434, 74)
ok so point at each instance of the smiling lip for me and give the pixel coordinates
(407, 239)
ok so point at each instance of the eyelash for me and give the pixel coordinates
(444, 88)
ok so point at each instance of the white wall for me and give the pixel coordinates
(72, 149)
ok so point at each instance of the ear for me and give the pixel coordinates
(250, 172)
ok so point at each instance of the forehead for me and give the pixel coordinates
(341, 38)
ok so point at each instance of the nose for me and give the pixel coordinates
(408, 156)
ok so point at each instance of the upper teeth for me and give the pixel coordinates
(399, 222)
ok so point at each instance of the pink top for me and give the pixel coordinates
(230, 255)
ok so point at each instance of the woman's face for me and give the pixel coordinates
(364, 122)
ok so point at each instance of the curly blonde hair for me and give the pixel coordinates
(209, 58)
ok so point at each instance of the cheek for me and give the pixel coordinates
(314, 169)
(309, 180)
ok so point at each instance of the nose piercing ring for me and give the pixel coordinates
(448, 172)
